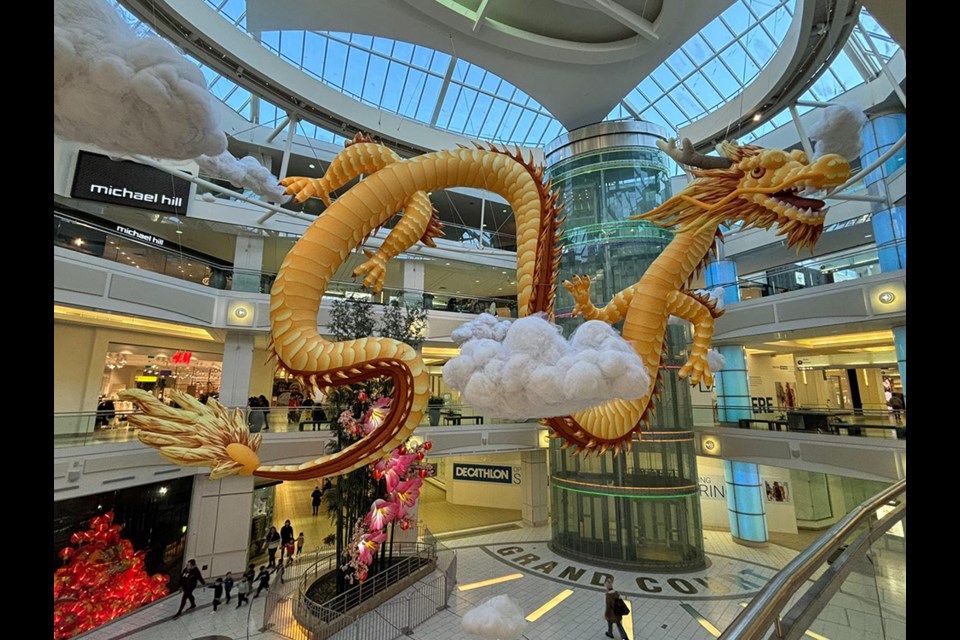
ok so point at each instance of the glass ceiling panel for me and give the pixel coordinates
(408, 79)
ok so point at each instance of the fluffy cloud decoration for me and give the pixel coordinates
(715, 360)
(245, 172)
(839, 131)
(715, 294)
(533, 372)
(125, 93)
(499, 618)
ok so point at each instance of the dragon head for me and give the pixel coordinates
(760, 187)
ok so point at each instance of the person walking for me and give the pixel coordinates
(264, 578)
(286, 538)
(249, 576)
(189, 578)
(317, 497)
(611, 616)
(228, 585)
(217, 592)
(242, 590)
(273, 543)
(300, 541)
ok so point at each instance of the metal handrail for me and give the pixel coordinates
(763, 611)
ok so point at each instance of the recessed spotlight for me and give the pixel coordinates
(447, 263)
(869, 235)
(477, 281)
(123, 253)
(312, 166)
(887, 297)
(178, 232)
(756, 117)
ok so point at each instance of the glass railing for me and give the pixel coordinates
(84, 238)
(867, 423)
(810, 273)
(89, 428)
(850, 583)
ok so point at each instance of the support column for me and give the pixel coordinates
(733, 385)
(723, 273)
(237, 367)
(533, 470)
(889, 220)
(218, 535)
(413, 283)
(745, 502)
(900, 344)
(247, 264)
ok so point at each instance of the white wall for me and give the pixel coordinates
(781, 517)
(485, 494)
(764, 371)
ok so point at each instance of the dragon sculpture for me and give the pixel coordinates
(759, 186)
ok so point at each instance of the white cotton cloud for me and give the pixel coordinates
(125, 93)
(484, 326)
(499, 618)
(715, 295)
(533, 372)
(245, 172)
(715, 360)
(838, 131)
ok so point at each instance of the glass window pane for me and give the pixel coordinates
(440, 63)
(760, 46)
(665, 77)
(721, 78)
(291, 46)
(698, 50)
(356, 71)
(687, 103)
(680, 64)
(740, 63)
(458, 117)
(271, 40)
(845, 71)
(738, 17)
(778, 24)
(477, 114)
(396, 76)
(428, 101)
(651, 92)
(411, 92)
(361, 40)
(513, 114)
(333, 69)
(403, 51)
(376, 75)
(699, 86)
(717, 34)
(475, 76)
(497, 110)
(313, 53)
(421, 57)
(670, 111)
(383, 45)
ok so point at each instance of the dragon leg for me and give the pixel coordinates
(693, 309)
(613, 312)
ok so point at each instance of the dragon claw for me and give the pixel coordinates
(579, 288)
(375, 269)
(697, 369)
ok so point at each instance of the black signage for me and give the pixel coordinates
(482, 473)
(128, 183)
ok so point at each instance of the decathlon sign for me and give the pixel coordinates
(483, 473)
(128, 183)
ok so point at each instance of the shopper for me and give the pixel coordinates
(188, 582)
(611, 596)
(273, 543)
(896, 404)
(286, 538)
(300, 541)
(228, 585)
(317, 497)
(256, 416)
(243, 589)
(248, 577)
(217, 592)
(264, 578)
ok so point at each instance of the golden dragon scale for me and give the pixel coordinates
(307, 269)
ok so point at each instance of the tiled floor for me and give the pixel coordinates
(664, 606)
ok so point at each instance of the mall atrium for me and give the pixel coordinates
(485, 314)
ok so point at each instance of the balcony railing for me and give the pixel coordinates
(810, 273)
(866, 552)
(80, 236)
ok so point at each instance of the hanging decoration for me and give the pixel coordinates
(102, 578)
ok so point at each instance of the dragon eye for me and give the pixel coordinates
(757, 172)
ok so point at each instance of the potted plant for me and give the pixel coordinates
(433, 409)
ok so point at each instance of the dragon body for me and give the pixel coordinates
(758, 186)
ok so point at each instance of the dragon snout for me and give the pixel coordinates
(829, 171)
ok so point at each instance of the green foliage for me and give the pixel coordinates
(352, 318)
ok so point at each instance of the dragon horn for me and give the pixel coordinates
(691, 157)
